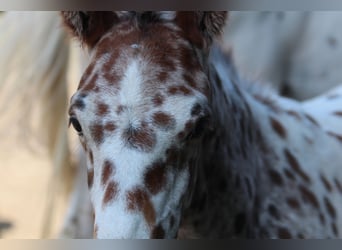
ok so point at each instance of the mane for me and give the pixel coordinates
(226, 67)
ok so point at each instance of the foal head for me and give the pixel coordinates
(141, 110)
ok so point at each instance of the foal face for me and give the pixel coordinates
(140, 111)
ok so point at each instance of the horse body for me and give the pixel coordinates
(278, 181)
(297, 52)
(177, 142)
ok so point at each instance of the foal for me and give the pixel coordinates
(176, 142)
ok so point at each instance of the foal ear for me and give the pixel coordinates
(89, 26)
(201, 27)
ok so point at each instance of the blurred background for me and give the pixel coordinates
(298, 54)
(40, 69)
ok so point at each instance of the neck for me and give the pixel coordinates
(227, 175)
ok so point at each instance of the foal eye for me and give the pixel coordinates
(75, 123)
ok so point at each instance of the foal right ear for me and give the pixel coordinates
(89, 26)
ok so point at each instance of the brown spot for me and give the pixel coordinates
(138, 200)
(334, 229)
(109, 72)
(295, 166)
(289, 174)
(268, 102)
(173, 90)
(338, 185)
(163, 120)
(330, 208)
(155, 178)
(158, 232)
(338, 137)
(91, 85)
(311, 119)
(308, 196)
(90, 178)
(86, 74)
(278, 127)
(274, 212)
(84, 146)
(189, 60)
(112, 78)
(179, 90)
(326, 183)
(308, 140)
(164, 55)
(189, 80)
(91, 157)
(104, 48)
(293, 203)
(102, 109)
(110, 126)
(142, 139)
(338, 113)
(167, 63)
(239, 222)
(158, 100)
(108, 69)
(97, 133)
(107, 171)
(283, 233)
(110, 193)
(162, 76)
(275, 177)
(294, 114)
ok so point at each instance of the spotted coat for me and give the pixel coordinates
(178, 144)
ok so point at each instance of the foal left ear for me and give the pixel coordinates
(201, 27)
(89, 26)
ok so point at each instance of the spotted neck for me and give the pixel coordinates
(226, 179)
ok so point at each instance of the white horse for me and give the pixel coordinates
(298, 53)
(34, 66)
